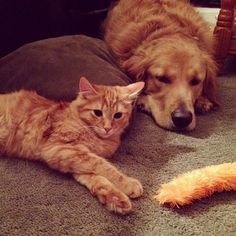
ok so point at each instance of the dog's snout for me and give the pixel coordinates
(181, 118)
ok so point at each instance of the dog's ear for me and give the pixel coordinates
(209, 86)
(136, 66)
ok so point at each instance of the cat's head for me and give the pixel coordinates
(106, 109)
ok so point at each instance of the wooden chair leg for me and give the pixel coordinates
(223, 31)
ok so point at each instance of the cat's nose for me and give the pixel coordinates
(107, 129)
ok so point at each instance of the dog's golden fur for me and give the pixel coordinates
(167, 44)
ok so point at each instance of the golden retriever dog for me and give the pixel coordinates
(167, 44)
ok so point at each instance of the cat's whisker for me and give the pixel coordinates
(87, 127)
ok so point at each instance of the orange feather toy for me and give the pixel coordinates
(198, 183)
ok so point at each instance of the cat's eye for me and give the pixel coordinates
(195, 81)
(164, 79)
(118, 115)
(97, 112)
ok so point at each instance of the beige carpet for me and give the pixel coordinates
(35, 200)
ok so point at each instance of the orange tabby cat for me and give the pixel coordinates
(74, 137)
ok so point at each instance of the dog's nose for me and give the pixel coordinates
(181, 118)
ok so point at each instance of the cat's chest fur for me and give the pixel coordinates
(76, 133)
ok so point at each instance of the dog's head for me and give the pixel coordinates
(176, 73)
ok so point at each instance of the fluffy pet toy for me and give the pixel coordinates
(198, 183)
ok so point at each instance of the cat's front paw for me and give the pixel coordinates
(114, 199)
(132, 187)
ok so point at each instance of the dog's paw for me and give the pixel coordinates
(142, 105)
(203, 105)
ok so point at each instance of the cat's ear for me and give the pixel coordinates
(132, 90)
(85, 87)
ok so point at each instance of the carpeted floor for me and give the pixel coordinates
(35, 200)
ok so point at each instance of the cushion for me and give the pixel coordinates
(53, 67)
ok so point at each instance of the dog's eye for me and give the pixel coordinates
(195, 81)
(97, 112)
(163, 79)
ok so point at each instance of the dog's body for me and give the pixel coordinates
(167, 44)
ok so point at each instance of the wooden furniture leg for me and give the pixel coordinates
(223, 30)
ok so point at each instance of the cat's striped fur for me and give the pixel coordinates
(74, 137)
